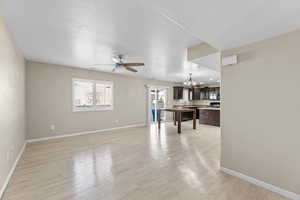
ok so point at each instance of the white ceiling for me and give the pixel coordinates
(83, 33)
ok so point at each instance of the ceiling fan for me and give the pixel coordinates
(119, 62)
(128, 66)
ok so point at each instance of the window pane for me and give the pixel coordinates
(83, 93)
(108, 95)
(103, 94)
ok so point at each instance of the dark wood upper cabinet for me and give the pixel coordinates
(210, 93)
(204, 93)
(177, 92)
(196, 93)
(218, 93)
(214, 93)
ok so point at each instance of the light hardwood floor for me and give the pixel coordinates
(135, 163)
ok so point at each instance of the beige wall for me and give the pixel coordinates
(49, 101)
(12, 102)
(261, 109)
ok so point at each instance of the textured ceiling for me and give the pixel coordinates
(84, 33)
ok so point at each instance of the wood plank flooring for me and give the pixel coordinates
(134, 164)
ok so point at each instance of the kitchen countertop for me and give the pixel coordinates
(177, 109)
(178, 105)
(200, 107)
(209, 108)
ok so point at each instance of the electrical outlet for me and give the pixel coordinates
(116, 121)
(52, 127)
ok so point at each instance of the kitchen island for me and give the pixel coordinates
(209, 116)
(206, 114)
(187, 116)
(178, 113)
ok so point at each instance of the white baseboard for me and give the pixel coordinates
(283, 192)
(83, 133)
(12, 170)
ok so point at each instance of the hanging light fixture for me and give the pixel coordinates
(189, 81)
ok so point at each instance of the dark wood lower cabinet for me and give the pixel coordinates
(209, 117)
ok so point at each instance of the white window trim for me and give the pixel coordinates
(94, 107)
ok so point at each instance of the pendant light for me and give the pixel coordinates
(189, 81)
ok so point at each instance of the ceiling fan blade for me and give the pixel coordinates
(133, 64)
(116, 60)
(130, 69)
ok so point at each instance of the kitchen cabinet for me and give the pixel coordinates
(204, 93)
(214, 93)
(218, 93)
(196, 93)
(210, 93)
(177, 92)
(209, 117)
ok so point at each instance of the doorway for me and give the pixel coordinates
(157, 97)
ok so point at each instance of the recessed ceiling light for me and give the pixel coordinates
(211, 79)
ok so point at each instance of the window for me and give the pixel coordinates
(92, 95)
